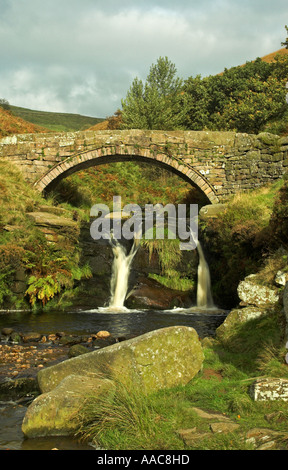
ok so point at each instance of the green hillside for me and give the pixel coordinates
(55, 121)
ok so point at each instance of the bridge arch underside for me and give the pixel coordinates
(84, 161)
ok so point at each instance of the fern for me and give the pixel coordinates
(43, 288)
(46, 287)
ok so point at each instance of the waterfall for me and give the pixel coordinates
(120, 272)
(204, 295)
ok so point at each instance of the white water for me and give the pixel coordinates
(121, 270)
(120, 273)
(204, 295)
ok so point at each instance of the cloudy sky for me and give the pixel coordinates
(81, 56)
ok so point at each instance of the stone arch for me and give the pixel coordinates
(109, 154)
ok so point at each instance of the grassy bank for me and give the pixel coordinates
(10, 124)
(26, 253)
(248, 235)
(170, 419)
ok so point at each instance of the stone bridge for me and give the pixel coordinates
(217, 163)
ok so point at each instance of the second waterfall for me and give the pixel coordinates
(204, 295)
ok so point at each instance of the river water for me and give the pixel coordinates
(125, 323)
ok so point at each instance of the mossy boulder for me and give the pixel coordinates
(54, 413)
(77, 350)
(236, 317)
(159, 359)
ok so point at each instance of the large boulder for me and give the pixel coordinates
(156, 360)
(252, 293)
(148, 293)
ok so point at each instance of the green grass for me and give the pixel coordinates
(241, 239)
(131, 420)
(57, 122)
(174, 281)
(136, 183)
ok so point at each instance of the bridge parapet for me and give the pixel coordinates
(218, 163)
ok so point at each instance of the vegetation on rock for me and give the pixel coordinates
(245, 238)
(48, 267)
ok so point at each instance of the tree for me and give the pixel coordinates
(197, 96)
(4, 104)
(115, 121)
(286, 42)
(160, 103)
(134, 112)
(243, 98)
(262, 102)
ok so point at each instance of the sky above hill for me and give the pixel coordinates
(81, 56)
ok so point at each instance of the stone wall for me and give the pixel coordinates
(219, 163)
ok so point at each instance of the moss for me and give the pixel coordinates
(269, 139)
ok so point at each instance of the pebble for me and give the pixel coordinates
(103, 334)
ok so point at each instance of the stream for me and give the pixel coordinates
(126, 323)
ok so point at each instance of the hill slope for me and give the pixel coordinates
(55, 121)
(271, 57)
(101, 126)
(10, 124)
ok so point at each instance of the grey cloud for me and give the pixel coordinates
(81, 56)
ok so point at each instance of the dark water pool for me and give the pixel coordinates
(82, 321)
(126, 322)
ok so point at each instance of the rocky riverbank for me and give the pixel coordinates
(23, 355)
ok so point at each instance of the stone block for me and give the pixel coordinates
(236, 317)
(211, 211)
(276, 157)
(269, 389)
(224, 427)
(252, 293)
